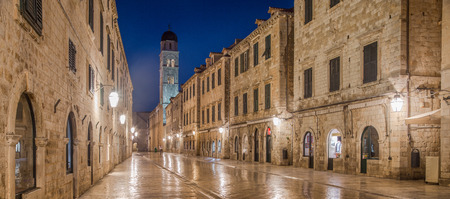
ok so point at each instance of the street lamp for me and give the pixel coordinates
(132, 137)
(178, 135)
(220, 130)
(193, 132)
(114, 99)
(122, 119)
(164, 139)
(132, 129)
(397, 103)
(170, 138)
(135, 134)
(276, 121)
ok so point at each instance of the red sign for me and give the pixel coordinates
(268, 131)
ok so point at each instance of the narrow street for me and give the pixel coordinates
(150, 175)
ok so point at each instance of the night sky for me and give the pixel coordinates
(202, 26)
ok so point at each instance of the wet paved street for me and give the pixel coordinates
(149, 175)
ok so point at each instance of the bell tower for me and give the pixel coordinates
(168, 69)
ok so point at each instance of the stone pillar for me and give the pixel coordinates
(11, 142)
(444, 178)
(41, 144)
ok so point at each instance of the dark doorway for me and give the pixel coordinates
(308, 148)
(369, 146)
(236, 147)
(269, 145)
(256, 146)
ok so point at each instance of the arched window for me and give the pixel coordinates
(308, 147)
(369, 143)
(25, 165)
(213, 147)
(219, 146)
(69, 147)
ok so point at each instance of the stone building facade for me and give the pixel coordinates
(156, 129)
(59, 61)
(173, 124)
(356, 87)
(141, 125)
(213, 92)
(259, 92)
(349, 65)
(190, 99)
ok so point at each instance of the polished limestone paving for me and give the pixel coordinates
(151, 175)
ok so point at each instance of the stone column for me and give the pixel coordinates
(41, 144)
(11, 142)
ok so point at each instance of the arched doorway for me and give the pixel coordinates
(269, 145)
(256, 146)
(25, 156)
(89, 152)
(308, 148)
(369, 146)
(334, 147)
(70, 158)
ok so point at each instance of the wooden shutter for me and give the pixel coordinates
(91, 14)
(308, 11)
(193, 90)
(255, 100)
(267, 97)
(203, 86)
(219, 111)
(213, 78)
(370, 62)
(207, 84)
(308, 83)
(244, 100)
(242, 62)
(255, 54)
(236, 66)
(101, 33)
(72, 57)
(267, 51)
(246, 60)
(207, 116)
(334, 74)
(112, 65)
(213, 114)
(109, 53)
(333, 3)
(39, 13)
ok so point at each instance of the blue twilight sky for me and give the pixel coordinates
(202, 26)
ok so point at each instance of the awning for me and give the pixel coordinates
(432, 117)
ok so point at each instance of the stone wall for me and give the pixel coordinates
(444, 177)
(37, 65)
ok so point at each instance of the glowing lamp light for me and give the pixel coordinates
(193, 132)
(397, 103)
(132, 137)
(170, 138)
(276, 121)
(221, 130)
(132, 129)
(178, 135)
(135, 134)
(122, 119)
(114, 99)
(164, 139)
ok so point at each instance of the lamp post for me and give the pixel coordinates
(397, 103)
(122, 119)
(114, 99)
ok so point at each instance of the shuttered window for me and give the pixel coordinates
(246, 56)
(219, 77)
(91, 14)
(207, 84)
(267, 96)
(335, 74)
(31, 10)
(72, 57)
(101, 33)
(91, 79)
(219, 111)
(112, 66)
(236, 67)
(308, 11)
(203, 116)
(236, 106)
(109, 54)
(213, 114)
(207, 116)
(268, 49)
(333, 3)
(244, 102)
(255, 100)
(370, 62)
(213, 80)
(255, 54)
(242, 62)
(193, 90)
(308, 83)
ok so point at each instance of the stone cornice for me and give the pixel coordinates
(41, 141)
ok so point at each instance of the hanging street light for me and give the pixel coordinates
(193, 132)
(114, 99)
(132, 137)
(220, 130)
(122, 119)
(164, 139)
(136, 134)
(397, 103)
